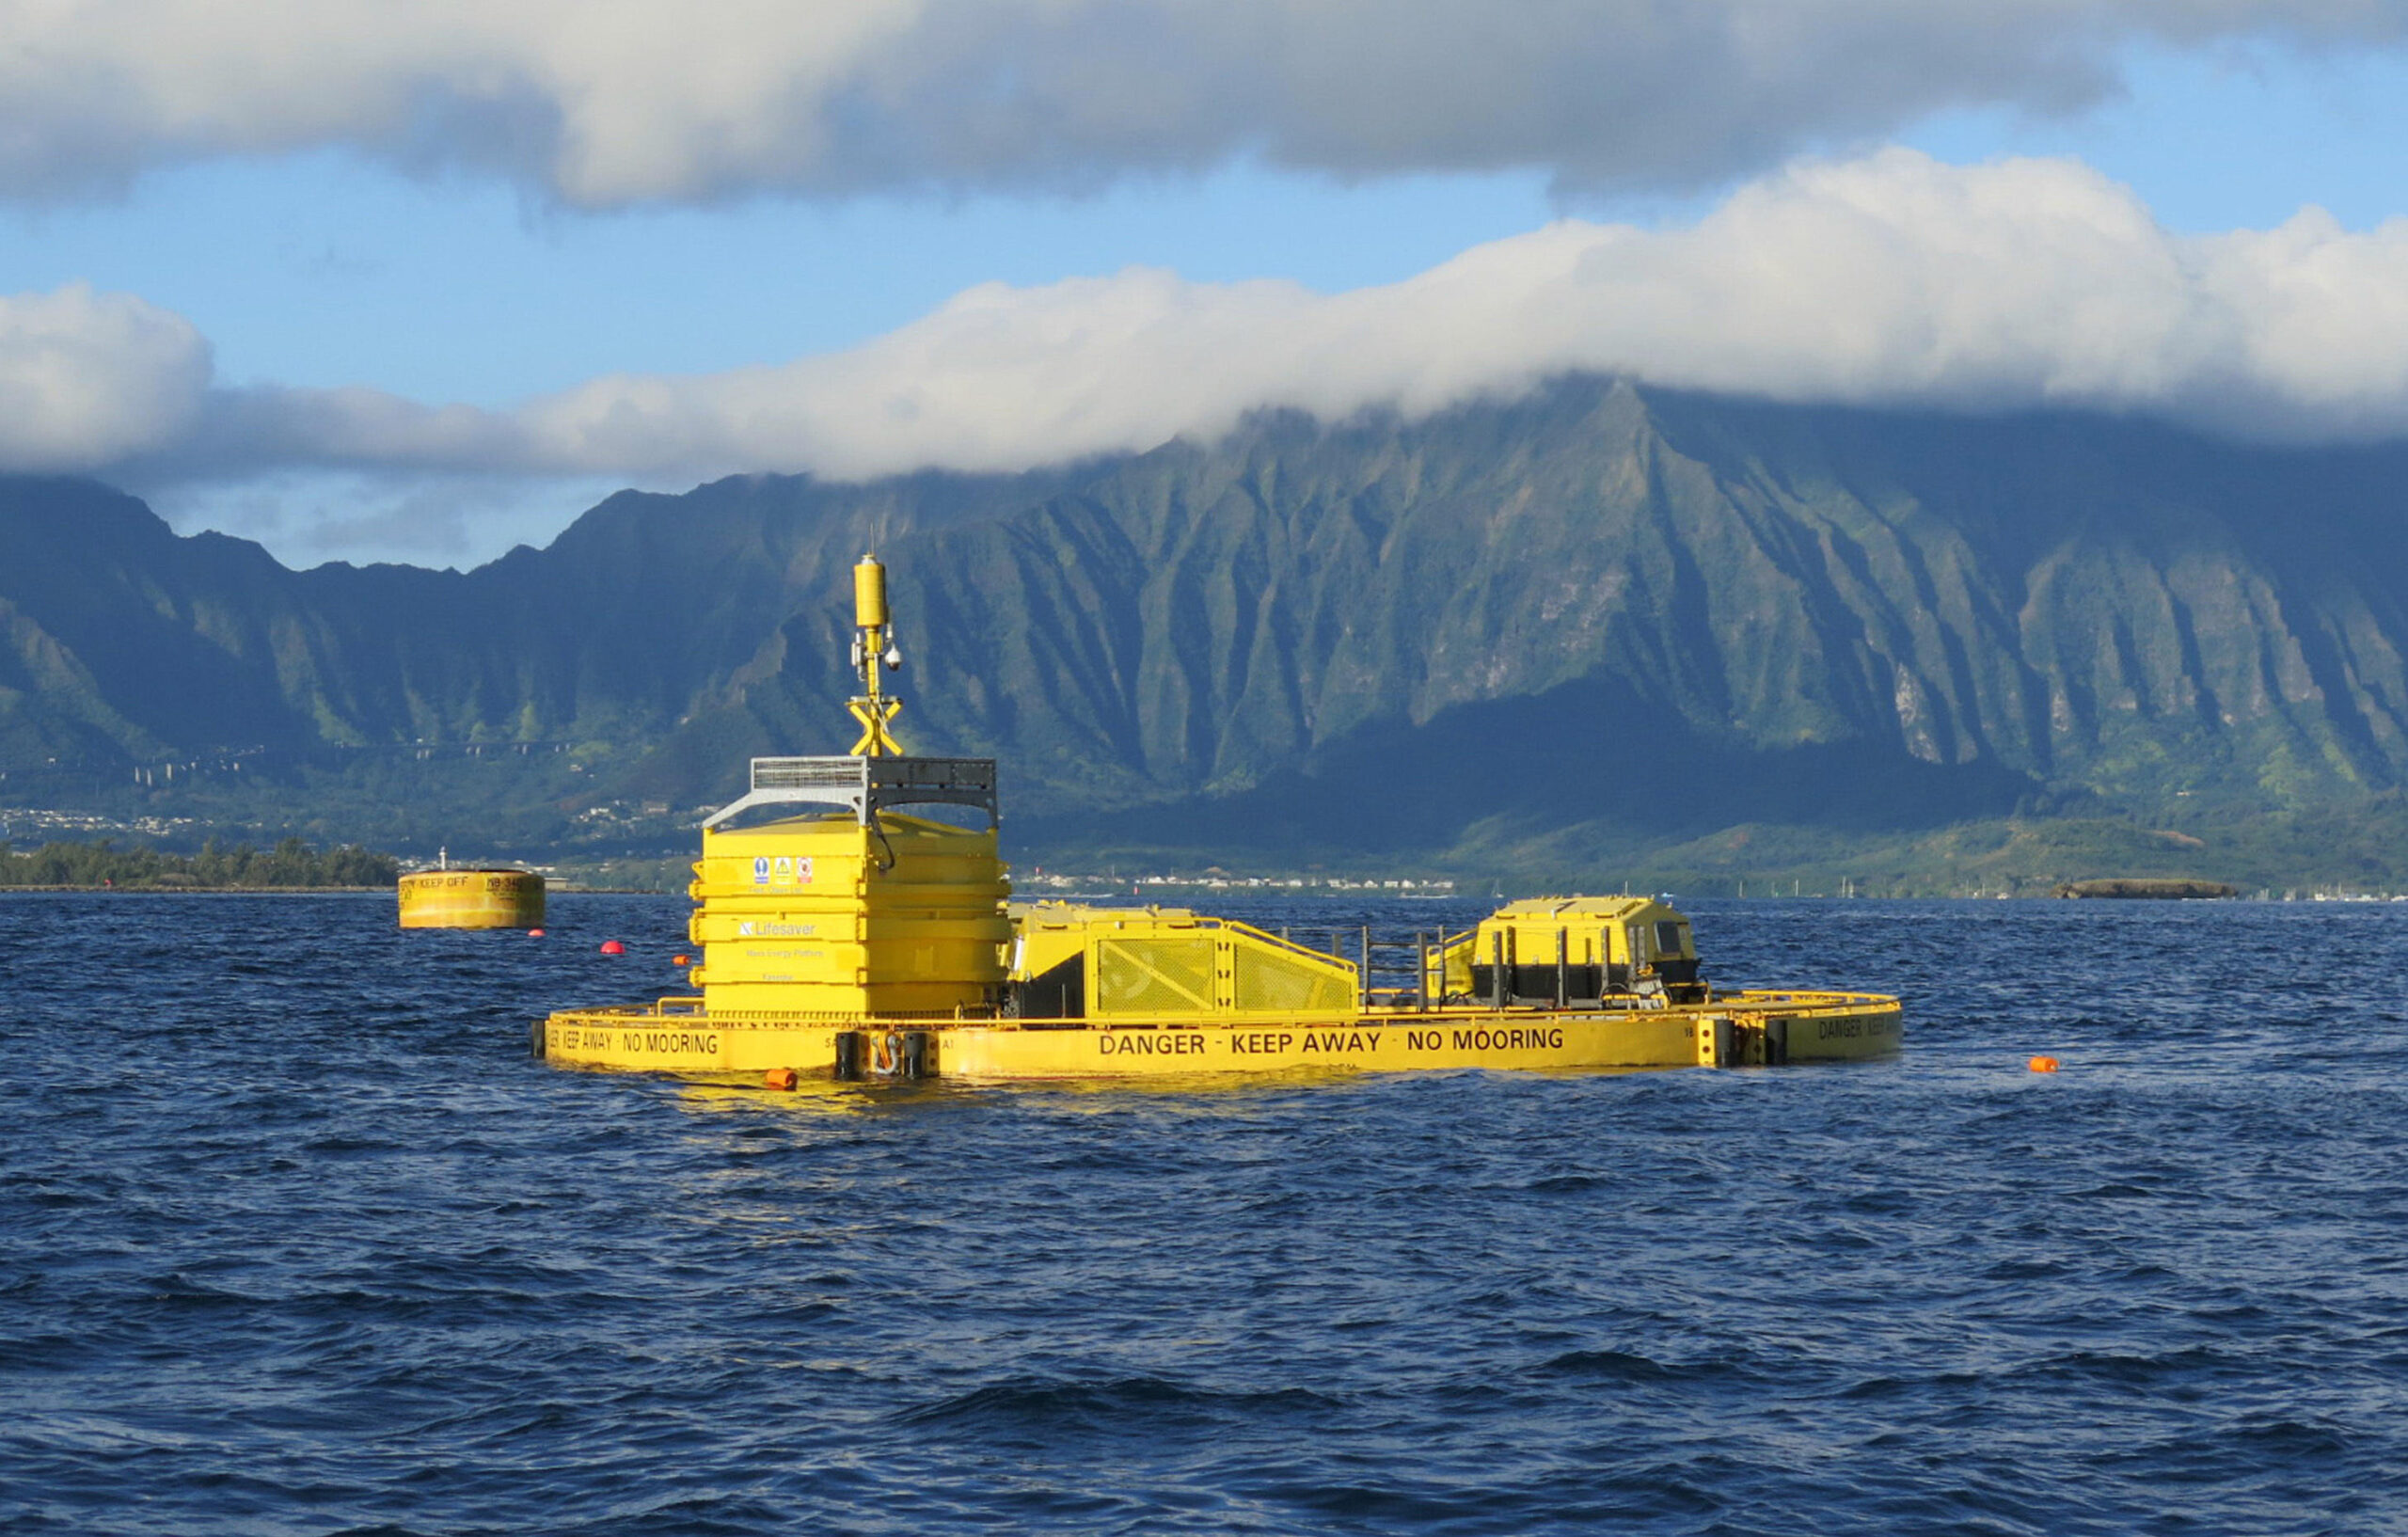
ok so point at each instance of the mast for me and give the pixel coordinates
(878, 773)
(874, 649)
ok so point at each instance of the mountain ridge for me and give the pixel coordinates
(1737, 605)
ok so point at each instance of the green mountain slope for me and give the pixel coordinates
(2090, 605)
(1599, 621)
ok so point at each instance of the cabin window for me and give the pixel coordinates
(1669, 939)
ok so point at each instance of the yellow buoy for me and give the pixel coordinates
(472, 899)
(868, 933)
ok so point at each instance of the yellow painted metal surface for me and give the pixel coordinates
(828, 914)
(678, 1035)
(1160, 964)
(835, 949)
(869, 593)
(472, 899)
(1590, 929)
(1633, 943)
(874, 709)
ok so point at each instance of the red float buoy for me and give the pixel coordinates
(534, 933)
(781, 1078)
(612, 947)
(681, 960)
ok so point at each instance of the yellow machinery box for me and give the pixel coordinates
(1574, 949)
(894, 916)
(1165, 963)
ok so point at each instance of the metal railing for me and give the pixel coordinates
(868, 785)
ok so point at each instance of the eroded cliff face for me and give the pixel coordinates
(2096, 604)
(1505, 597)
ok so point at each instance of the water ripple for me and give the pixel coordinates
(299, 1241)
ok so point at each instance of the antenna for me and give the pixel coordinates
(873, 649)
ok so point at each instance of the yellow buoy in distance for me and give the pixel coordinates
(477, 898)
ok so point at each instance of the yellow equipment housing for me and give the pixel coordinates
(869, 593)
(1106, 965)
(1569, 950)
(866, 913)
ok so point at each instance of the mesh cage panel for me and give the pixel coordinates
(1153, 977)
(1267, 980)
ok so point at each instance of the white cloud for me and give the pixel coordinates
(1891, 279)
(87, 379)
(602, 102)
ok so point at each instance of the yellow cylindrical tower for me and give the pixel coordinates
(831, 915)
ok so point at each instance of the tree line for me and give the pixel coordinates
(290, 864)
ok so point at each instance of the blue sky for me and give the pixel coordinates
(315, 249)
(318, 270)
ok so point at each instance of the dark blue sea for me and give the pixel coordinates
(295, 1238)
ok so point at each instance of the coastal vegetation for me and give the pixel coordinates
(290, 865)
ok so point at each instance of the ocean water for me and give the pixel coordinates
(295, 1238)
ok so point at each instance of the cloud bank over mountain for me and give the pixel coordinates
(1891, 279)
(599, 104)
(86, 379)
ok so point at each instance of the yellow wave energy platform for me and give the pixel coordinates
(445, 897)
(849, 938)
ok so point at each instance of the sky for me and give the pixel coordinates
(365, 279)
